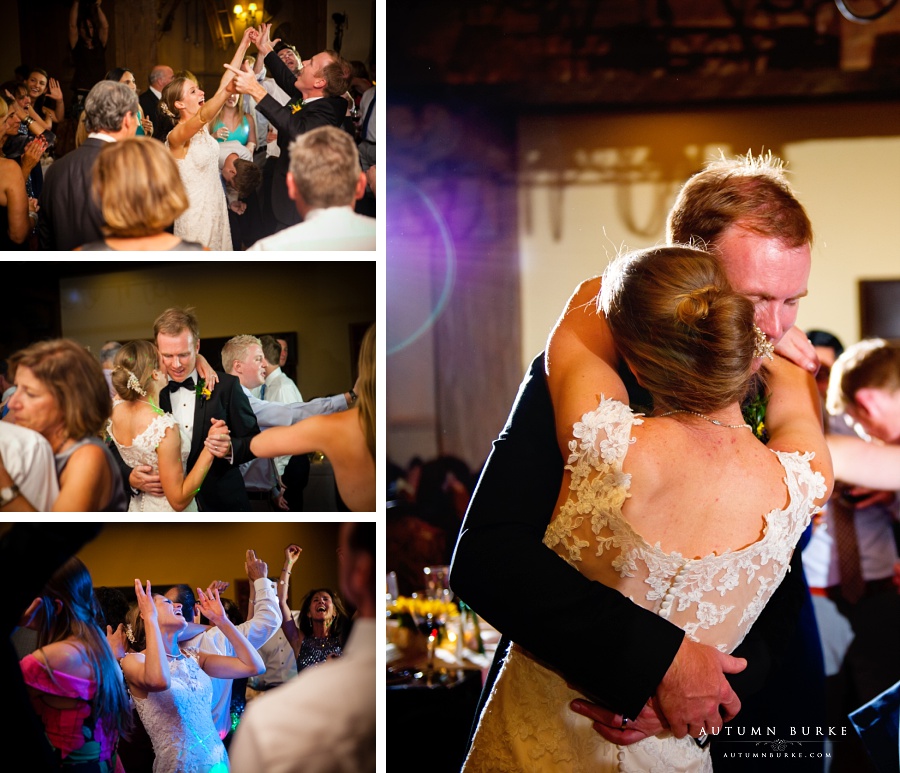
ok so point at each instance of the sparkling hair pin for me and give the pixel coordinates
(135, 385)
(762, 346)
(129, 633)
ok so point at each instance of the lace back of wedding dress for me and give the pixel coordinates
(526, 723)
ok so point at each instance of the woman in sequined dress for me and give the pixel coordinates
(320, 631)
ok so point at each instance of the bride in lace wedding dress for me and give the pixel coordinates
(683, 511)
(171, 687)
(146, 435)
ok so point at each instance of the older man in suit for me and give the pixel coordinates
(321, 81)
(159, 77)
(177, 335)
(69, 216)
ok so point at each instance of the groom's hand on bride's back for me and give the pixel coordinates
(694, 693)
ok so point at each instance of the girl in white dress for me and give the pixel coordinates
(684, 511)
(146, 435)
(197, 154)
(171, 687)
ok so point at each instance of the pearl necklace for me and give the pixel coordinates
(711, 421)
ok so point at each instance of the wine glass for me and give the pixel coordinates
(433, 620)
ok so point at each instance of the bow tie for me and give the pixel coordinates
(174, 386)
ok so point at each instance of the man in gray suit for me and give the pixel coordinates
(69, 216)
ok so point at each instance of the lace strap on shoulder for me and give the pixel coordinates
(603, 434)
(158, 427)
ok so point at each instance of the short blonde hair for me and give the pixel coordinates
(137, 185)
(871, 363)
(236, 349)
(325, 167)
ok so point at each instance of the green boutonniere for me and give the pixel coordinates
(202, 391)
(754, 412)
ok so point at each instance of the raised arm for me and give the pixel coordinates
(293, 634)
(183, 131)
(794, 416)
(246, 661)
(102, 25)
(581, 361)
(73, 24)
(148, 671)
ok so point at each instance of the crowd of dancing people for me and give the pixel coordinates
(158, 682)
(159, 430)
(281, 156)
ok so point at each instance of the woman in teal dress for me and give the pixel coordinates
(232, 124)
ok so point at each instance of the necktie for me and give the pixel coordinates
(852, 583)
(188, 383)
(262, 392)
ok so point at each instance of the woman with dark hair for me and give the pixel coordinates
(75, 684)
(126, 76)
(44, 90)
(322, 626)
(62, 393)
(171, 686)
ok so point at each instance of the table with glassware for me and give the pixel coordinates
(438, 651)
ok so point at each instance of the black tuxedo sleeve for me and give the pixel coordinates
(124, 469)
(614, 651)
(240, 419)
(282, 75)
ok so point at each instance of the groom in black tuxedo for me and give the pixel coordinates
(177, 336)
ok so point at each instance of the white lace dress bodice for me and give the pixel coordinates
(206, 219)
(143, 451)
(179, 722)
(526, 724)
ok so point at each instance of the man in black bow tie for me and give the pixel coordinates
(194, 407)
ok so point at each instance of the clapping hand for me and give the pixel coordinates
(33, 152)
(218, 441)
(210, 605)
(147, 125)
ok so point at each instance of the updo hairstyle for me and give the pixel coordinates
(171, 94)
(139, 358)
(684, 332)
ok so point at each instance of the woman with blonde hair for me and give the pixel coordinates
(197, 156)
(232, 124)
(346, 438)
(141, 194)
(61, 392)
(146, 435)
